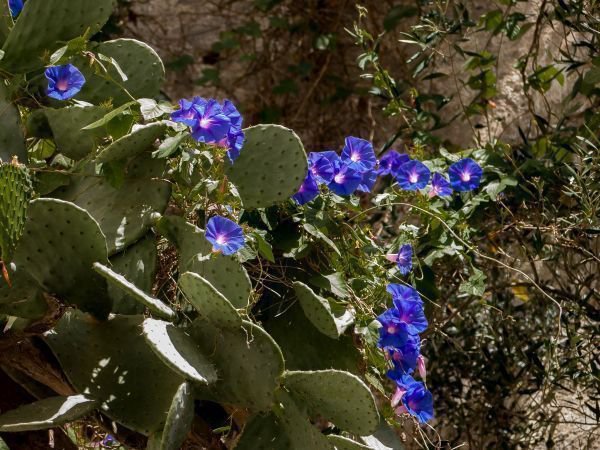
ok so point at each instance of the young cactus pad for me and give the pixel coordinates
(15, 191)
(271, 166)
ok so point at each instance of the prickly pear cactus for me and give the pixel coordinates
(12, 142)
(15, 192)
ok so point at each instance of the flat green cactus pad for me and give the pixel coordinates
(15, 192)
(141, 64)
(335, 395)
(318, 310)
(210, 303)
(12, 141)
(133, 385)
(46, 413)
(179, 420)
(124, 213)
(271, 166)
(60, 243)
(45, 25)
(263, 432)
(153, 304)
(178, 351)
(137, 263)
(133, 144)
(248, 362)
(33, 307)
(225, 273)
(306, 348)
(66, 125)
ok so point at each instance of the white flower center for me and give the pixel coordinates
(391, 329)
(62, 85)
(465, 176)
(221, 239)
(205, 122)
(413, 177)
(355, 157)
(339, 178)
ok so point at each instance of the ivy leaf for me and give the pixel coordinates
(334, 283)
(264, 248)
(169, 146)
(475, 285)
(311, 229)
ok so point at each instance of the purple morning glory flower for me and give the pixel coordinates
(109, 441)
(358, 154)
(212, 123)
(187, 112)
(15, 7)
(64, 82)
(235, 142)
(413, 175)
(367, 181)
(403, 292)
(391, 162)
(309, 189)
(411, 313)
(418, 402)
(404, 358)
(225, 235)
(345, 180)
(403, 258)
(321, 166)
(234, 115)
(465, 175)
(393, 332)
(439, 186)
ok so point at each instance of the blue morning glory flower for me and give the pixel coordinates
(403, 292)
(411, 313)
(391, 162)
(393, 332)
(367, 181)
(439, 186)
(418, 402)
(15, 7)
(235, 142)
(212, 123)
(309, 189)
(225, 235)
(320, 165)
(234, 115)
(404, 358)
(403, 258)
(345, 180)
(465, 175)
(413, 175)
(187, 112)
(64, 82)
(358, 154)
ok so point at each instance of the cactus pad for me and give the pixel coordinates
(66, 125)
(226, 274)
(343, 443)
(178, 351)
(137, 263)
(248, 362)
(59, 245)
(318, 310)
(335, 395)
(271, 166)
(263, 432)
(12, 142)
(134, 387)
(46, 413)
(179, 420)
(15, 192)
(124, 213)
(142, 65)
(132, 144)
(44, 26)
(153, 304)
(210, 303)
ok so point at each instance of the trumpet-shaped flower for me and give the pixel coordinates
(391, 162)
(187, 112)
(465, 175)
(358, 154)
(439, 186)
(403, 292)
(212, 124)
(320, 165)
(413, 175)
(367, 181)
(418, 402)
(412, 314)
(64, 82)
(404, 357)
(309, 189)
(403, 258)
(345, 179)
(225, 235)
(393, 332)
(15, 7)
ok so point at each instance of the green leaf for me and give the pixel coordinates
(264, 248)
(334, 283)
(311, 229)
(475, 285)
(170, 145)
(151, 109)
(108, 117)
